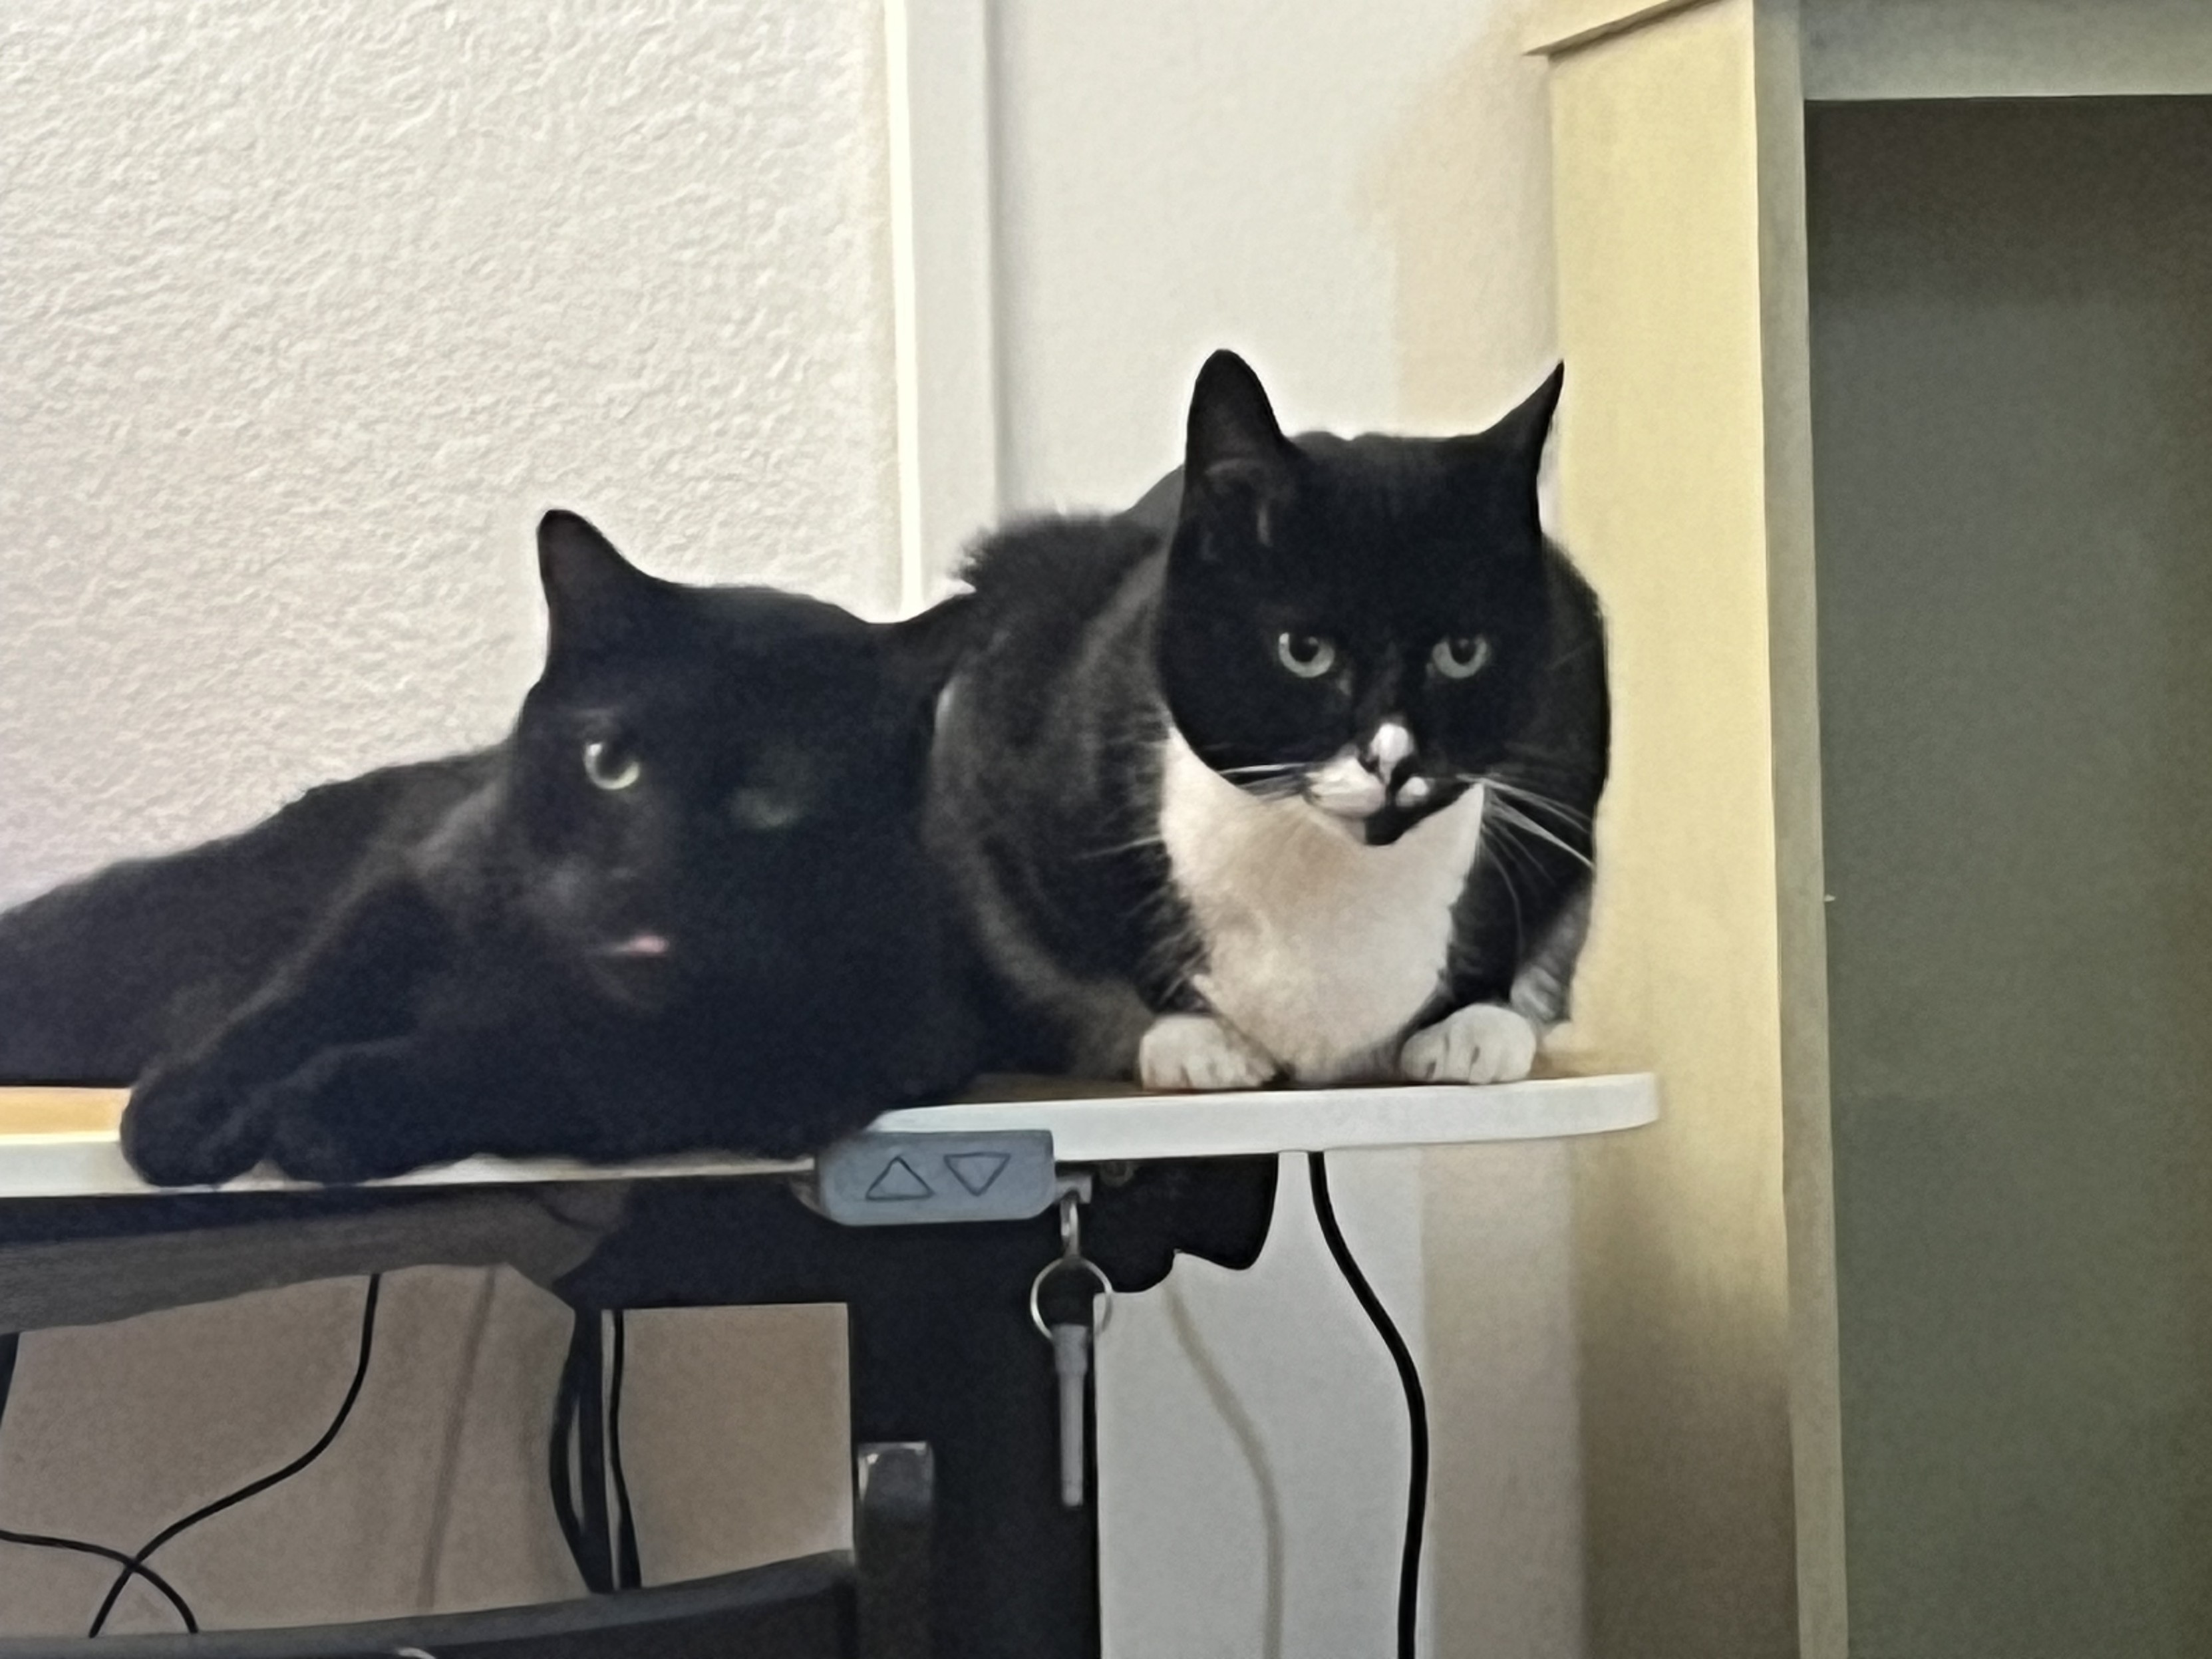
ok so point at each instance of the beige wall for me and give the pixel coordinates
(1682, 1262)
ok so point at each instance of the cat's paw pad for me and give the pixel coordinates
(1197, 1051)
(1482, 1043)
(186, 1128)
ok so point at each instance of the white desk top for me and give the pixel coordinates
(67, 1146)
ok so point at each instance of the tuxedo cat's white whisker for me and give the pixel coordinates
(1522, 821)
(1116, 848)
(1508, 785)
(1535, 800)
(1495, 839)
(1508, 815)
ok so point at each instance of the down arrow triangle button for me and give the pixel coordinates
(976, 1170)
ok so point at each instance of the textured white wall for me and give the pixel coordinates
(307, 311)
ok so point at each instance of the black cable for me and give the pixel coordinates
(578, 1420)
(254, 1488)
(592, 1443)
(1417, 1407)
(10, 1347)
(626, 1575)
(557, 1450)
(131, 1569)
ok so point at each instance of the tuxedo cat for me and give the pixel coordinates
(1289, 773)
(685, 905)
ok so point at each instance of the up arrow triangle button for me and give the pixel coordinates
(898, 1180)
(976, 1171)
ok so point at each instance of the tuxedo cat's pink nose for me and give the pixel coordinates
(640, 944)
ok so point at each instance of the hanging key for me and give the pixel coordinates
(1071, 1358)
(1071, 1345)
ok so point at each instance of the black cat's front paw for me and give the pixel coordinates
(187, 1127)
(346, 1116)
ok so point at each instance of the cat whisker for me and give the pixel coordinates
(1115, 849)
(1512, 786)
(1497, 847)
(1535, 800)
(1519, 820)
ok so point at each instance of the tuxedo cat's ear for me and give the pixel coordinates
(1522, 433)
(591, 590)
(923, 651)
(1235, 456)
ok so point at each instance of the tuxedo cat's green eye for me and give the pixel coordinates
(609, 765)
(1307, 656)
(1461, 658)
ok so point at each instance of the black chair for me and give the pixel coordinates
(870, 1603)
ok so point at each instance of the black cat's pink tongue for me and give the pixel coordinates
(640, 944)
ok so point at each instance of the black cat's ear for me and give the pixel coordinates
(592, 591)
(1235, 456)
(925, 649)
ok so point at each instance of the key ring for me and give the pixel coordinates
(1071, 1259)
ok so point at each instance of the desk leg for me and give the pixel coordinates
(943, 1352)
(952, 1358)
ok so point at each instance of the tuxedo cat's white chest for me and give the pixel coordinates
(1320, 949)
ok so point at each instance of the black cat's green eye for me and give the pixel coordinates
(1307, 656)
(1460, 657)
(611, 765)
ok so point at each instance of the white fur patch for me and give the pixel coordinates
(1320, 949)
(1482, 1043)
(1344, 786)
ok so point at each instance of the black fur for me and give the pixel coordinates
(740, 946)
(1100, 636)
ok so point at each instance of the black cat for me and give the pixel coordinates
(1289, 772)
(683, 906)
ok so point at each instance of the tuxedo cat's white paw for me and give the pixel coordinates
(1482, 1043)
(1197, 1051)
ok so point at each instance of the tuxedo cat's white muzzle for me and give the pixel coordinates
(1343, 787)
(1355, 782)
